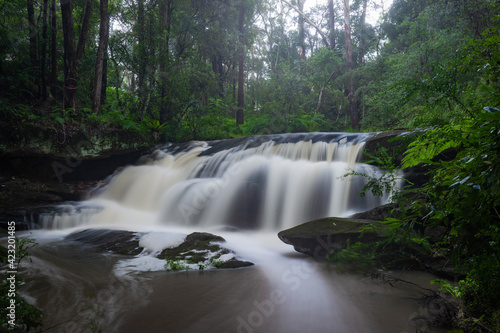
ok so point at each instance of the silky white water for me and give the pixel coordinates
(269, 186)
(245, 193)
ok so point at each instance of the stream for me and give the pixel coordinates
(245, 191)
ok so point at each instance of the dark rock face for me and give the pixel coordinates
(320, 237)
(38, 167)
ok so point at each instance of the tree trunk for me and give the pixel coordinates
(119, 78)
(99, 66)
(104, 74)
(216, 60)
(141, 56)
(331, 24)
(302, 47)
(241, 97)
(33, 44)
(84, 32)
(43, 59)
(53, 49)
(69, 99)
(166, 113)
(350, 67)
(362, 35)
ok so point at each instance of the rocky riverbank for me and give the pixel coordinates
(43, 167)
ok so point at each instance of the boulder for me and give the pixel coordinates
(203, 248)
(107, 240)
(320, 237)
(199, 249)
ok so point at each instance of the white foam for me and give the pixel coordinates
(140, 263)
(158, 241)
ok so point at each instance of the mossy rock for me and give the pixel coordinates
(195, 244)
(320, 237)
(199, 247)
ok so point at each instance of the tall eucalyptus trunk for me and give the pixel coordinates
(362, 35)
(33, 44)
(53, 49)
(302, 47)
(72, 54)
(166, 112)
(70, 80)
(142, 57)
(43, 58)
(353, 110)
(84, 31)
(331, 24)
(99, 67)
(241, 54)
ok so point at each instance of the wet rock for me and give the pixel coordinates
(320, 237)
(199, 249)
(106, 240)
(202, 247)
(378, 213)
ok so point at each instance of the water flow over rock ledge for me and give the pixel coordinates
(256, 183)
(260, 183)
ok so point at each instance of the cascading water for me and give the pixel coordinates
(256, 185)
(265, 183)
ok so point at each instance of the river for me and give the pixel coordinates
(245, 191)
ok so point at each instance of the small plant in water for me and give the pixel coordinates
(175, 265)
(216, 262)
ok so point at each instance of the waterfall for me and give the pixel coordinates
(264, 182)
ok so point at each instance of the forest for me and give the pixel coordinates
(178, 70)
(218, 69)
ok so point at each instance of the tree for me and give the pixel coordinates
(72, 55)
(331, 24)
(99, 67)
(53, 48)
(362, 34)
(350, 67)
(302, 47)
(318, 29)
(43, 58)
(33, 42)
(166, 113)
(70, 77)
(241, 66)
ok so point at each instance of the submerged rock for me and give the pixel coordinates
(320, 237)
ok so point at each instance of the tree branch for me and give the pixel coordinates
(325, 40)
(321, 91)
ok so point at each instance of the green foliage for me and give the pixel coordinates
(400, 248)
(216, 262)
(175, 264)
(464, 195)
(387, 182)
(27, 316)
